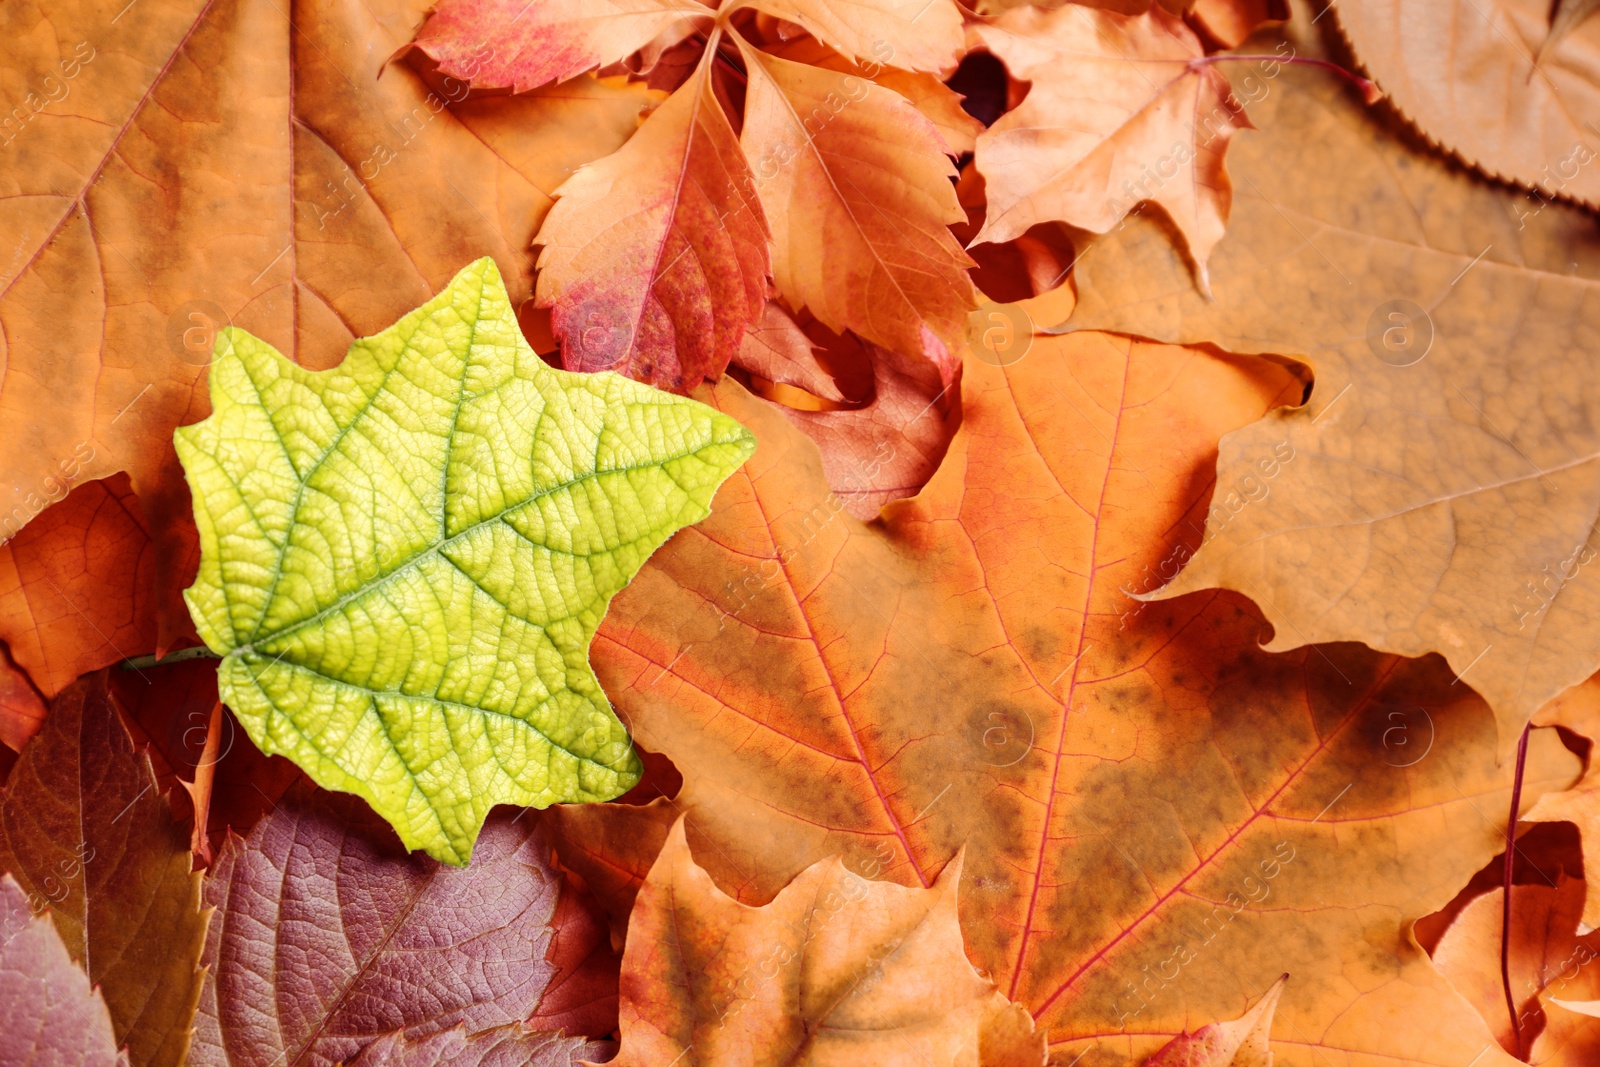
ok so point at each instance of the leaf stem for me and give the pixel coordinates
(1505, 896)
(1369, 89)
(139, 663)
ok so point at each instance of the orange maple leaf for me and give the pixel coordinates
(1160, 818)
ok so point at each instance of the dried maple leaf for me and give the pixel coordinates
(835, 970)
(77, 585)
(215, 166)
(87, 837)
(1122, 110)
(1547, 960)
(656, 256)
(1242, 1042)
(831, 152)
(49, 1013)
(523, 44)
(328, 935)
(1477, 91)
(1443, 491)
(1160, 818)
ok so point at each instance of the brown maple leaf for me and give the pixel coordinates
(1160, 818)
(1121, 110)
(835, 970)
(1480, 92)
(1443, 493)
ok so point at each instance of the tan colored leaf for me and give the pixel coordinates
(211, 164)
(1443, 490)
(832, 153)
(524, 44)
(1160, 818)
(925, 35)
(87, 837)
(1242, 1042)
(656, 257)
(1577, 709)
(835, 970)
(1119, 113)
(1476, 91)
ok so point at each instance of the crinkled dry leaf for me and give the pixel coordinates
(49, 1013)
(835, 970)
(1141, 790)
(855, 184)
(1464, 72)
(86, 835)
(524, 44)
(328, 935)
(182, 185)
(404, 557)
(1119, 113)
(1443, 490)
(656, 257)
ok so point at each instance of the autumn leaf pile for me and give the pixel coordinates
(539, 532)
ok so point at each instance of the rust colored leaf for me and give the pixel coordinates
(328, 935)
(885, 449)
(835, 970)
(49, 1013)
(170, 708)
(925, 35)
(213, 165)
(1548, 960)
(1578, 709)
(1142, 791)
(21, 706)
(831, 153)
(77, 585)
(1243, 1042)
(1443, 490)
(656, 257)
(86, 835)
(1479, 92)
(524, 44)
(1119, 113)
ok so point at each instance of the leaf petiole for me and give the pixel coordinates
(139, 663)
(1370, 92)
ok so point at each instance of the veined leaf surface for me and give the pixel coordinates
(404, 557)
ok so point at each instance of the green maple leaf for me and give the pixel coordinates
(404, 558)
